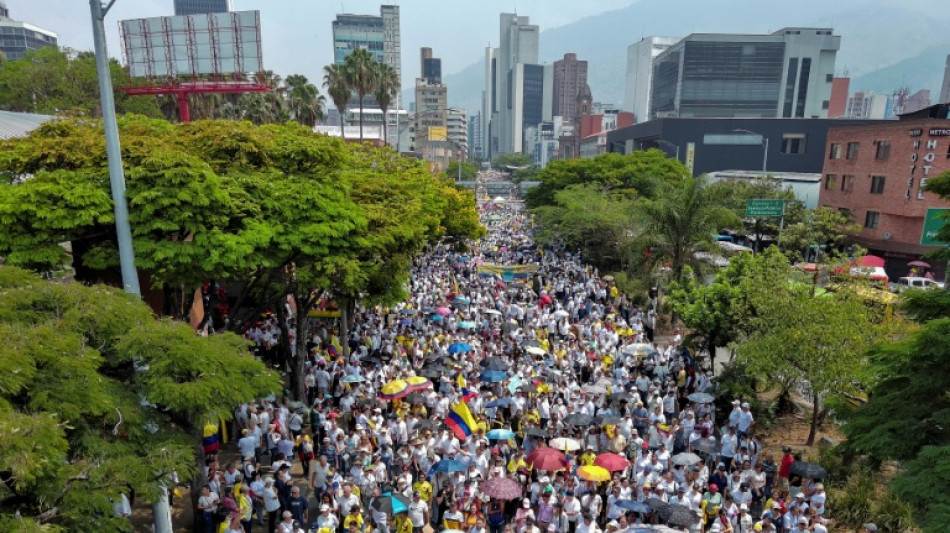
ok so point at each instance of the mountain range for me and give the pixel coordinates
(885, 44)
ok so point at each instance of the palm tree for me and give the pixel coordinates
(360, 76)
(681, 220)
(387, 86)
(334, 79)
(304, 100)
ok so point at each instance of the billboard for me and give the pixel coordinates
(438, 133)
(933, 223)
(192, 45)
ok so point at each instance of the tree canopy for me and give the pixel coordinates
(97, 397)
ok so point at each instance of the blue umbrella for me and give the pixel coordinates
(493, 376)
(353, 378)
(463, 258)
(500, 402)
(501, 434)
(448, 466)
(461, 300)
(436, 318)
(405, 322)
(467, 324)
(635, 506)
(460, 347)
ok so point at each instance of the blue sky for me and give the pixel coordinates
(296, 33)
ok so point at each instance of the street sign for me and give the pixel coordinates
(764, 208)
(933, 223)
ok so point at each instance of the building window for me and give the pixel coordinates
(793, 143)
(871, 219)
(835, 152)
(825, 104)
(847, 183)
(877, 184)
(829, 78)
(883, 150)
(831, 182)
(853, 151)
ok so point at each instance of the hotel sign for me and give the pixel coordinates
(934, 132)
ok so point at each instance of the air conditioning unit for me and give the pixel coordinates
(887, 236)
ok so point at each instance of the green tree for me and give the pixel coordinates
(385, 90)
(735, 194)
(334, 79)
(798, 340)
(681, 220)
(822, 230)
(360, 72)
(640, 172)
(468, 171)
(97, 397)
(502, 162)
(304, 100)
(57, 82)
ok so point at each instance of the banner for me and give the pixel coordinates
(506, 272)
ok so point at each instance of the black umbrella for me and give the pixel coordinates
(809, 470)
(578, 419)
(384, 504)
(416, 399)
(705, 446)
(431, 373)
(619, 396)
(493, 363)
(678, 515)
(607, 420)
(426, 424)
(528, 388)
(535, 432)
(370, 361)
(656, 504)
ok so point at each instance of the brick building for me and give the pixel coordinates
(876, 173)
(570, 78)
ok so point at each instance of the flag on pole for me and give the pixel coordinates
(467, 395)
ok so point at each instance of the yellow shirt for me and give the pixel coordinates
(516, 464)
(402, 523)
(353, 519)
(588, 459)
(424, 488)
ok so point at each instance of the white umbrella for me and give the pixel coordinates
(564, 444)
(492, 312)
(560, 314)
(499, 200)
(534, 350)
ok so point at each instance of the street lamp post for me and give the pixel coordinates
(765, 151)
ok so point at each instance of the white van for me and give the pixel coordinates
(913, 282)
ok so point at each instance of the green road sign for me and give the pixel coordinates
(764, 208)
(933, 223)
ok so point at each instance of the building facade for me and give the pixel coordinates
(378, 34)
(876, 174)
(17, 38)
(838, 106)
(475, 151)
(430, 68)
(200, 7)
(457, 124)
(431, 118)
(570, 76)
(640, 56)
(870, 105)
(794, 144)
(788, 74)
(517, 88)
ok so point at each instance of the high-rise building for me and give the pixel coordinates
(200, 7)
(945, 87)
(517, 88)
(430, 67)
(640, 55)
(458, 128)
(788, 73)
(378, 34)
(431, 112)
(570, 76)
(475, 151)
(17, 38)
(868, 104)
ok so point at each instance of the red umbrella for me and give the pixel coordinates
(870, 261)
(547, 459)
(611, 462)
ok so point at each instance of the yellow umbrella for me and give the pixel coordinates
(394, 390)
(593, 473)
(418, 383)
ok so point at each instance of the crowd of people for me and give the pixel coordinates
(515, 391)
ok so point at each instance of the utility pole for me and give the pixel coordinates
(130, 279)
(161, 510)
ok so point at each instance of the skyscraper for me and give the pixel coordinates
(640, 55)
(570, 76)
(788, 73)
(430, 67)
(21, 37)
(945, 87)
(200, 7)
(517, 89)
(431, 103)
(378, 34)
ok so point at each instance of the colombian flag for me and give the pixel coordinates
(209, 441)
(467, 395)
(460, 420)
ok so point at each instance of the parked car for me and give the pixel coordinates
(914, 282)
